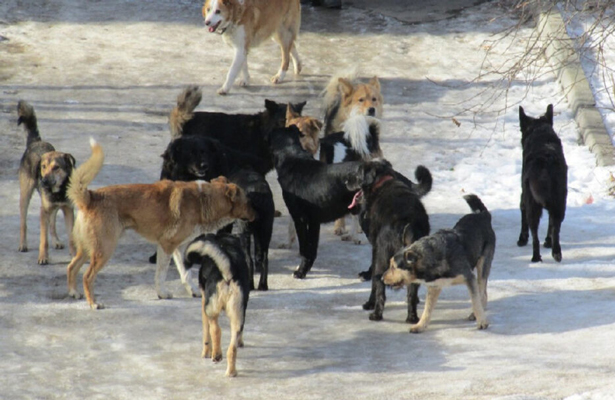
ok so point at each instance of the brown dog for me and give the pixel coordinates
(166, 213)
(46, 170)
(343, 95)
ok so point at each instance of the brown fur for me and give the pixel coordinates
(310, 129)
(260, 20)
(351, 95)
(164, 212)
(46, 170)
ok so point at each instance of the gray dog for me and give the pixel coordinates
(446, 258)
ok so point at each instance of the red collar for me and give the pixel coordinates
(381, 181)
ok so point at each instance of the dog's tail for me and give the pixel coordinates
(187, 101)
(475, 203)
(424, 179)
(27, 117)
(81, 177)
(201, 248)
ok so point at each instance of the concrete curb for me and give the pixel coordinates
(567, 64)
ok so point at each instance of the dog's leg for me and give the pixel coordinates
(339, 228)
(296, 60)
(238, 61)
(69, 221)
(246, 245)
(477, 307)
(245, 74)
(371, 302)
(235, 314)
(26, 188)
(73, 269)
(354, 231)
(185, 275)
(433, 292)
(43, 249)
(216, 335)
(292, 236)
(162, 266)
(261, 247)
(55, 240)
(413, 301)
(206, 335)
(308, 233)
(98, 259)
(286, 44)
(534, 212)
(525, 234)
(556, 222)
(482, 286)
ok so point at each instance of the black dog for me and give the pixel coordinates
(396, 217)
(242, 132)
(314, 192)
(425, 181)
(544, 182)
(448, 257)
(196, 157)
(224, 281)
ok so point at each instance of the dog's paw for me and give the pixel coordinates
(365, 276)
(548, 243)
(222, 91)
(339, 232)
(165, 295)
(75, 294)
(369, 306)
(23, 249)
(97, 306)
(217, 358)
(263, 287)
(58, 245)
(522, 240)
(482, 325)
(43, 260)
(557, 256)
(417, 329)
(375, 317)
(231, 373)
(299, 274)
(276, 79)
(536, 259)
(243, 82)
(472, 317)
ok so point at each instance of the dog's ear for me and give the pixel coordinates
(298, 107)
(410, 257)
(271, 106)
(316, 123)
(407, 237)
(231, 191)
(549, 114)
(228, 2)
(345, 87)
(70, 160)
(375, 83)
(523, 122)
(220, 179)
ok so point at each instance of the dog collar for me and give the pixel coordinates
(381, 181)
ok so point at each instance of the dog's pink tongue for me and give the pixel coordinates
(355, 199)
(212, 29)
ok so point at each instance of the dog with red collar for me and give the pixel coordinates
(396, 218)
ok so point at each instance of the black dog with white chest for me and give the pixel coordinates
(449, 257)
(314, 192)
(224, 281)
(396, 217)
(544, 182)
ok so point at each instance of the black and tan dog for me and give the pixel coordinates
(396, 216)
(448, 257)
(166, 213)
(544, 182)
(225, 285)
(48, 171)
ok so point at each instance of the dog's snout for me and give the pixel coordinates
(207, 22)
(371, 112)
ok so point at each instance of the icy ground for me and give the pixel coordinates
(112, 70)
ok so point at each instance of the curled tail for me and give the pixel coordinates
(187, 101)
(81, 177)
(425, 181)
(206, 248)
(26, 116)
(475, 203)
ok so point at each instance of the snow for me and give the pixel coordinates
(112, 71)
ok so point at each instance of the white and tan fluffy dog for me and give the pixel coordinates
(246, 23)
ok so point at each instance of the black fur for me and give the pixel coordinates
(396, 217)
(314, 192)
(243, 132)
(196, 157)
(210, 274)
(544, 182)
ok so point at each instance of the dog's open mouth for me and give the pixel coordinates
(212, 29)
